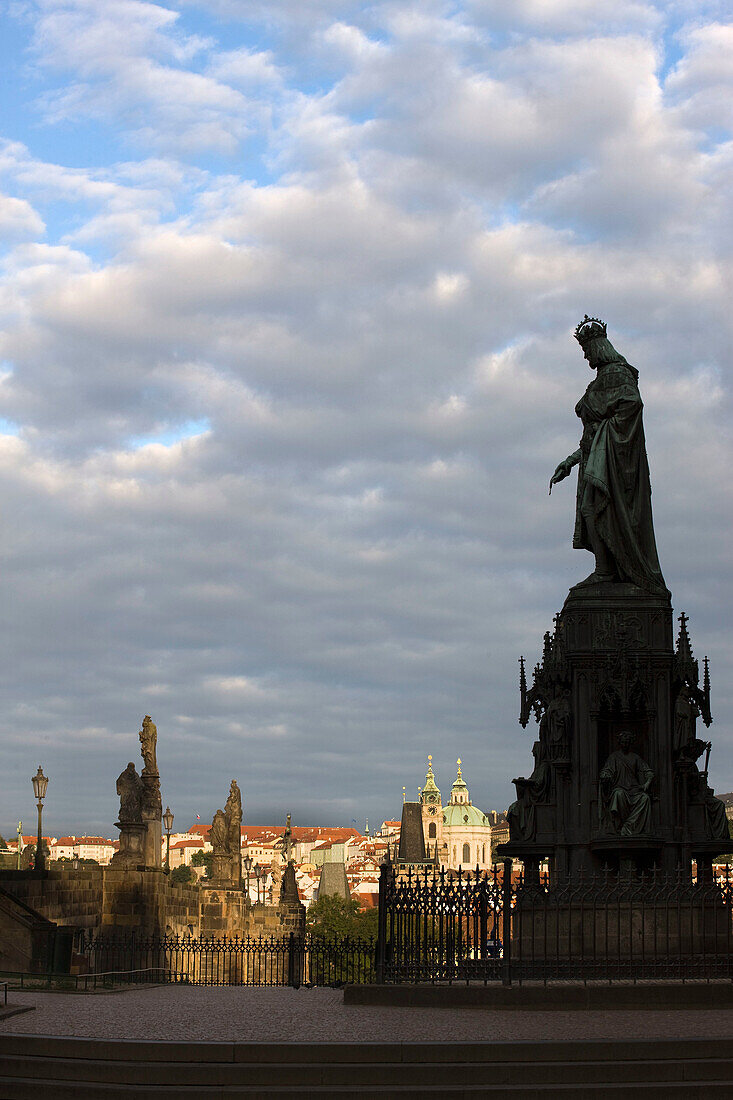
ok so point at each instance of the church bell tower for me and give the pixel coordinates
(432, 812)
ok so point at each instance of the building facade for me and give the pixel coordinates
(457, 834)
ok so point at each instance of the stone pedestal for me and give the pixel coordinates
(611, 666)
(220, 870)
(152, 810)
(131, 853)
(290, 909)
(617, 933)
(134, 901)
(153, 847)
(224, 912)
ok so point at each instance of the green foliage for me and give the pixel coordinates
(334, 916)
(336, 919)
(203, 859)
(183, 875)
(3, 841)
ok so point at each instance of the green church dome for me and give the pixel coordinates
(463, 813)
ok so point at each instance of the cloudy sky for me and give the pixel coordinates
(286, 361)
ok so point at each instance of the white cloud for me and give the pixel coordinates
(285, 427)
(247, 68)
(128, 61)
(702, 81)
(18, 219)
(569, 17)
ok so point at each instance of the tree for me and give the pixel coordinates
(182, 875)
(3, 841)
(203, 859)
(335, 916)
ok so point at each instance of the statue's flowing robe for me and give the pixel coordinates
(613, 476)
(716, 820)
(626, 774)
(130, 790)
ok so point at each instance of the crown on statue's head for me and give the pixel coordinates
(590, 328)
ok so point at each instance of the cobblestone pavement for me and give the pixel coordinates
(240, 1014)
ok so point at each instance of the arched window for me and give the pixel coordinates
(431, 831)
(466, 854)
(483, 853)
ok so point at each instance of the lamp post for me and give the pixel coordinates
(247, 864)
(258, 875)
(168, 825)
(20, 841)
(40, 784)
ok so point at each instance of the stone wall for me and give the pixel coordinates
(63, 894)
(182, 909)
(146, 902)
(118, 900)
(26, 938)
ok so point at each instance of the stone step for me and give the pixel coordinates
(274, 1054)
(342, 1074)
(31, 1088)
(681, 996)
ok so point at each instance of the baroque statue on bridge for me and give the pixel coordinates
(131, 791)
(148, 743)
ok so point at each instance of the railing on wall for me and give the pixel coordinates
(437, 926)
(293, 960)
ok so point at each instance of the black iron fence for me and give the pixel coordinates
(489, 927)
(438, 926)
(293, 960)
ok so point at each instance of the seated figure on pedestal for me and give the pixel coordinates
(521, 814)
(698, 789)
(625, 781)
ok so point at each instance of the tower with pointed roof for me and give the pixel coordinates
(432, 812)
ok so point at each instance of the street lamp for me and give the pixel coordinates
(258, 875)
(40, 785)
(168, 825)
(247, 864)
(20, 841)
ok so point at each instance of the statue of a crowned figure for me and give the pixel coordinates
(613, 517)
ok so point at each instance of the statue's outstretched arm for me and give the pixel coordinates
(564, 468)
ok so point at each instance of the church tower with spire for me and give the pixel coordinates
(466, 830)
(432, 812)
